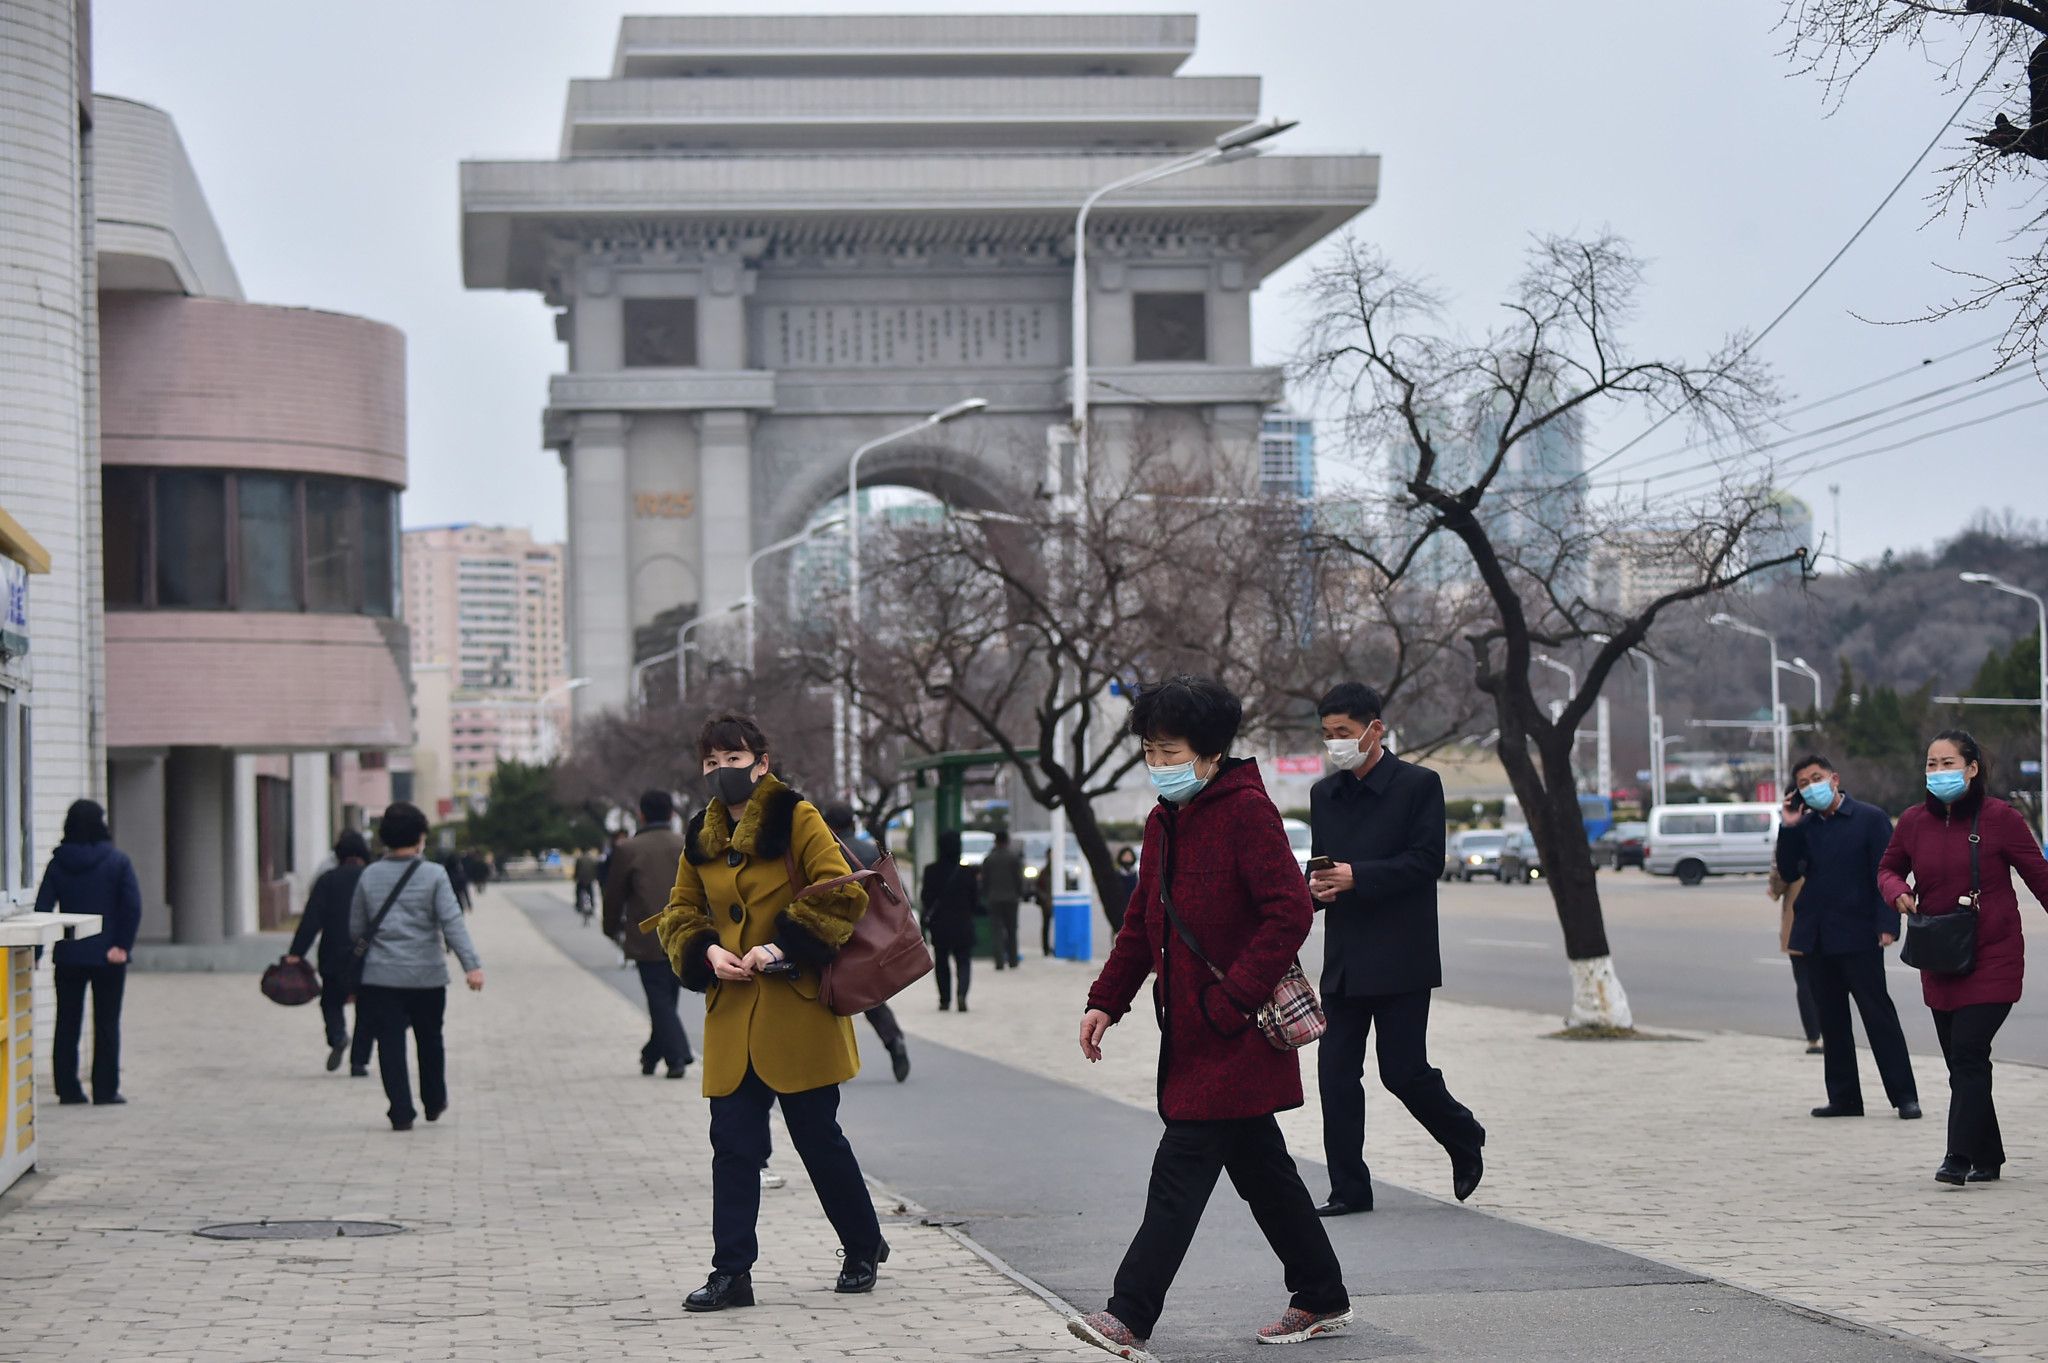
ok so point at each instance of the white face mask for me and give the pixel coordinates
(1344, 753)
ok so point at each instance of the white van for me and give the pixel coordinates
(1693, 842)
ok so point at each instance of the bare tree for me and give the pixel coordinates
(1465, 431)
(1993, 51)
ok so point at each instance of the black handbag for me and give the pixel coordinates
(1946, 943)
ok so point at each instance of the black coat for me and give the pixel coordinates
(1380, 936)
(92, 877)
(1839, 909)
(326, 917)
(951, 900)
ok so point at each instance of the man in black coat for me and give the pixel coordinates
(326, 918)
(1381, 822)
(88, 874)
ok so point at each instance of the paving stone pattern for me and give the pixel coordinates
(560, 1209)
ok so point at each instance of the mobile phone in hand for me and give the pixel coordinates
(1316, 864)
(778, 968)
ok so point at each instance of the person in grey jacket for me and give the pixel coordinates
(404, 980)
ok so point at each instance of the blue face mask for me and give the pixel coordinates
(1178, 784)
(1947, 786)
(1820, 796)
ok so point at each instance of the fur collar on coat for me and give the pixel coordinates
(763, 829)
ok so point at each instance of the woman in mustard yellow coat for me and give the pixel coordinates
(735, 931)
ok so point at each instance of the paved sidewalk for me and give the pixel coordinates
(1697, 1153)
(559, 1211)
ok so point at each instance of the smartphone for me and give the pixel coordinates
(1316, 864)
(779, 968)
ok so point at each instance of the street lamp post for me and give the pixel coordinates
(1727, 621)
(748, 601)
(683, 644)
(2041, 656)
(548, 720)
(1805, 669)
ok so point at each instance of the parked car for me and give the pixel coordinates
(1517, 862)
(1475, 852)
(1299, 837)
(1693, 842)
(1035, 846)
(975, 843)
(1620, 846)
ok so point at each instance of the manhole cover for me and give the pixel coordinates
(298, 1230)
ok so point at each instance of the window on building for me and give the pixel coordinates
(191, 538)
(1170, 326)
(380, 550)
(333, 545)
(266, 542)
(661, 333)
(124, 526)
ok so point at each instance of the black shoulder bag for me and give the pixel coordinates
(361, 946)
(1946, 943)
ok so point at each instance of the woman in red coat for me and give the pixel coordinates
(1932, 844)
(1216, 847)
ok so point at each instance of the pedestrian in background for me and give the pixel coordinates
(1041, 891)
(88, 874)
(862, 853)
(589, 873)
(951, 902)
(326, 920)
(735, 929)
(1787, 896)
(1218, 884)
(639, 874)
(458, 877)
(1002, 889)
(1127, 867)
(1960, 848)
(1379, 821)
(1842, 925)
(407, 909)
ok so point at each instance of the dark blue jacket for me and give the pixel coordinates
(92, 877)
(326, 917)
(1381, 936)
(1839, 909)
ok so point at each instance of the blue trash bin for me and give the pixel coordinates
(1072, 921)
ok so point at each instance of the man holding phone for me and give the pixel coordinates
(1842, 925)
(1378, 844)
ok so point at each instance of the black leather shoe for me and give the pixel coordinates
(1909, 1112)
(116, 1101)
(681, 1071)
(1954, 1169)
(1985, 1173)
(963, 1005)
(1466, 1171)
(335, 1056)
(945, 1005)
(722, 1291)
(72, 1099)
(401, 1126)
(434, 1113)
(1836, 1110)
(1337, 1206)
(647, 1066)
(358, 1071)
(899, 1059)
(858, 1274)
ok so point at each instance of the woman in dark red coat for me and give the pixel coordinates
(1216, 846)
(1932, 844)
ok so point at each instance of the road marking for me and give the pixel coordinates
(1507, 942)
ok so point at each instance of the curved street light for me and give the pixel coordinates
(1778, 757)
(2041, 655)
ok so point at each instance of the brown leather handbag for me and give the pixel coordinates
(886, 953)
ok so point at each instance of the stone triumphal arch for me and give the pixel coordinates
(770, 239)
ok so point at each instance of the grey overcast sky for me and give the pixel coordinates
(327, 137)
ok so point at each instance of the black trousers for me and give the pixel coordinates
(1405, 1071)
(1802, 989)
(667, 1042)
(334, 1010)
(107, 983)
(386, 1013)
(739, 1147)
(1045, 927)
(949, 959)
(1002, 922)
(883, 1019)
(1966, 1035)
(1860, 975)
(1254, 1154)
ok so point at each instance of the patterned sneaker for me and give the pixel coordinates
(771, 1179)
(1110, 1335)
(1299, 1326)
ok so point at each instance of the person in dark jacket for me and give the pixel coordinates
(326, 918)
(88, 874)
(1932, 845)
(1381, 821)
(863, 853)
(639, 873)
(458, 877)
(1215, 849)
(1842, 925)
(951, 901)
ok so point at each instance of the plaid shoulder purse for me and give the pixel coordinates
(1289, 1020)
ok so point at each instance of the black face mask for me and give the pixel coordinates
(733, 786)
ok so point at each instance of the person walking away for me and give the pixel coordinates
(950, 902)
(1041, 890)
(1002, 889)
(88, 874)
(458, 877)
(735, 929)
(1380, 821)
(1842, 924)
(589, 872)
(1960, 848)
(638, 876)
(1802, 979)
(1218, 884)
(327, 919)
(404, 905)
(862, 853)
